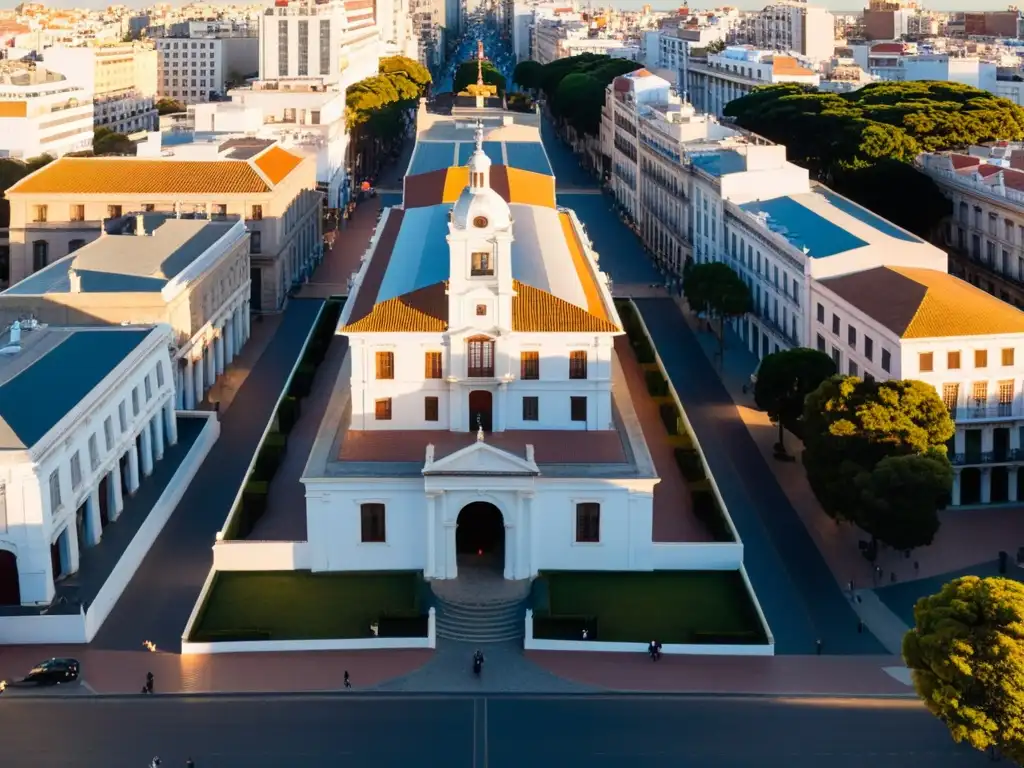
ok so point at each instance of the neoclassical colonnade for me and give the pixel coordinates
(147, 446)
(199, 366)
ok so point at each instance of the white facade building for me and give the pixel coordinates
(793, 25)
(738, 70)
(475, 414)
(42, 113)
(190, 69)
(897, 323)
(121, 77)
(67, 463)
(559, 39)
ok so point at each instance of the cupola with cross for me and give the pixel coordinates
(480, 251)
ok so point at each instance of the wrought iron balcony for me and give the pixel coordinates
(972, 457)
(986, 412)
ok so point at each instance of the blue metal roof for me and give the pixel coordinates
(432, 156)
(33, 402)
(491, 148)
(867, 217)
(804, 228)
(528, 156)
(719, 164)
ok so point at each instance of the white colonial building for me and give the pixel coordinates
(71, 452)
(475, 415)
(899, 323)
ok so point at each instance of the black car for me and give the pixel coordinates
(53, 672)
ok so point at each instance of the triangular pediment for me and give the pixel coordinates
(479, 458)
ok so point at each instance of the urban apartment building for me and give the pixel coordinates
(738, 70)
(121, 77)
(42, 112)
(61, 207)
(792, 26)
(191, 275)
(193, 69)
(557, 39)
(985, 235)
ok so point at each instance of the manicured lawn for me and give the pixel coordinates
(299, 605)
(668, 606)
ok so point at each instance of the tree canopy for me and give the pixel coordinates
(465, 76)
(528, 74)
(579, 101)
(169, 106)
(851, 427)
(380, 101)
(108, 142)
(713, 288)
(966, 659)
(785, 379)
(841, 137)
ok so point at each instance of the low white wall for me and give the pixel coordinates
(757, 605)
(686, 556)
(277, 646)
(147, 534)
(682, 649)
(39, 630)
(262, 556)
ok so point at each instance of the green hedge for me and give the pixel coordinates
(302, 382)
(644, 350)
(669, 417)
(402, 625)
(253, 507)
(706, 509)
(656, 384)
(690, 465)
(547, 627)
(270, 457)
(232, 636)
(288, 414)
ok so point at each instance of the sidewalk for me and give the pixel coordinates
(343, 258)
(223, 393)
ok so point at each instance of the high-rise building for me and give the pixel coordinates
(206, 62)
(42, 112)
(793, 25)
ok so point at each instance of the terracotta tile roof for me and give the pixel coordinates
(787, 65)
(142, 176)
(426, 311)
(888, 48)
(513, 184)
(276, 163)
(366, 296)
(964, 161)
(924, 303)
(595, 305)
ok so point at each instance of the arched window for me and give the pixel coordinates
(481, 357)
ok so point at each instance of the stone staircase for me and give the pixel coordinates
(480, 606)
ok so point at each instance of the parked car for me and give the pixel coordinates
(52, 672)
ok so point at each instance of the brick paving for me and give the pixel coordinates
(223, 393)
(119, 672)
(343, 257)
(814, 675)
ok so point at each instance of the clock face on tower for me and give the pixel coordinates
(480, 222)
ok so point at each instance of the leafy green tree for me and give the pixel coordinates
(785, 379)
(108, 142)
(966, 659)
(408, 68)
(579, 102)
(716, 46)
(858, 141)
(713, 288)
(169, 106)
(902, 496)
(851, 425)
(528, 74)
(466, 74)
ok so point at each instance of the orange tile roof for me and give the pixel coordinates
(426, 311)
(595, 305)
(145, 176)
(276, 163)
(515, 185)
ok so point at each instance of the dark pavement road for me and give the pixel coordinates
(157, 602)
(466, 732)
(797, 591)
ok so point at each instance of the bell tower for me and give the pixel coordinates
(480, 251)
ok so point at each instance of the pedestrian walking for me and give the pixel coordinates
(148, 687)
(348, 682)
(860, 626)
(817, 646)
(190, 763)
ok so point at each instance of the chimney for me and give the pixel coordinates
(75, 280)
(140, 225)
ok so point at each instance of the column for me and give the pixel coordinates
(432, 532)
(510, 552)
(1011, 484)
(218, 352)
(986, 485)
(133, 468)
(115, 489)
(188, 377)
(71, 552)
(179, 387)
(246, 322)
(210, 374)
(451, 567)
(93, 525)
(229, 341)
(239, 325)
(960, 441)
(1014, 441)
(171, 425)
(987, 434)
(197, 368)
(955, 501)
(147, 450)
(157, 423)
(522, 536)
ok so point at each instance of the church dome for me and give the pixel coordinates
(479, 206)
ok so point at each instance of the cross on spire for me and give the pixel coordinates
(478, 135)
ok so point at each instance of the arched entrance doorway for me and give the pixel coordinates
(480, 410)
(10, 588)
(480, 535)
